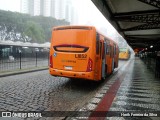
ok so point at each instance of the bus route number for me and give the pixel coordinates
(83, 56)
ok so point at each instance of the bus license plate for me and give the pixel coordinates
(68, 67)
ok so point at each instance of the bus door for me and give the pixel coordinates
(112, 57)
(109, 60)
(114, 54)
(98, 58)
(104, 60)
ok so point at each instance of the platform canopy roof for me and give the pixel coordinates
(24, 44)
(138, 21)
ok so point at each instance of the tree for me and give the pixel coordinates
(23, 27)
(34, 32)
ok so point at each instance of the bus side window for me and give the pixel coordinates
(97, 43)
(115, 50)
(107, 49)
(103, 52)
(111, 51)
(100, 49)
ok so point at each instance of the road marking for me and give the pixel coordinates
(108, 98)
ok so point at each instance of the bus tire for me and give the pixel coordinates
(103, 78)
(114, 65)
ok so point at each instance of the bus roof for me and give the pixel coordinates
(74, 27)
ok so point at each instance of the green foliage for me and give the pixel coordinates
(34, 31)
(23, 27)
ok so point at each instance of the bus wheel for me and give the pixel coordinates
(114, 65)
(103, 78)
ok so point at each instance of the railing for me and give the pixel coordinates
(153, 62)
(19, 61)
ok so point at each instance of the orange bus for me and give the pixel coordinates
(82, 52)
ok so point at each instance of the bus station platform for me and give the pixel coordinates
(133, 93)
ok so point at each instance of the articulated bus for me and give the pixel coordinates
(82, 52)
(124, 53)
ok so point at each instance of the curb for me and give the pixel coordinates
(22, 72)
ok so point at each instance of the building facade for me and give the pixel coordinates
(45, 6)
(24, 6)
(31, 7)
(59, 9)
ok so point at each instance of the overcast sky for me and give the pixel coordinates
(88, 14)
(11, 5)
